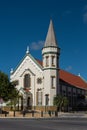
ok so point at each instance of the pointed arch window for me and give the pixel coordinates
(53, 60)
(46, 99)
(27, 81)
(47, 61)
(39, 98)
(52, 82)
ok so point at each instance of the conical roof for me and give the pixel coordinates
(50, 38)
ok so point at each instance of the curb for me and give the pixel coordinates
(42, 118)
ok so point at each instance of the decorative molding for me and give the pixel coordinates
(51, 68)
(33, 59)
(29, 71)
(50, 47)
(50, 52)
(52, 87)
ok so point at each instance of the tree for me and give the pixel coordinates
(7, 90)
(4, 86)
(60, 101)
(65, 102)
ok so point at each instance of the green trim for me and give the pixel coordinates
(24, 58)
(19, 64)
(51, 69)
(29, 71)
(50, 52)
(35, 61)
(50, 47)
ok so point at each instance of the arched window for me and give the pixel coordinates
(47, 61)
(27, 81)
(52, 81)
(39, 98)
(53, 60)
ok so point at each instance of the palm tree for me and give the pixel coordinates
(65, 102)
(60, 101)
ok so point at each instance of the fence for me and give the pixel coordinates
(30, 114)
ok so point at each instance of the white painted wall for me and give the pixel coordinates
(28, 66)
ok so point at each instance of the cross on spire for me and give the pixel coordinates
(27, 51)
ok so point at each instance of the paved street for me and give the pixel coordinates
(43, 124)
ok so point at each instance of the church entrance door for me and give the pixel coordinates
(29, 103)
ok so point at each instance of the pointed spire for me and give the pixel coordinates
(51, 38)
(27, 50)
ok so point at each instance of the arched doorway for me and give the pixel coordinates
(26, 100)
(29, 103)
(29, 100)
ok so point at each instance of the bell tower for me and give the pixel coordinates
(50, 53)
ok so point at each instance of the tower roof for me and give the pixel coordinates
(50, 38)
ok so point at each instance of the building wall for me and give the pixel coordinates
(28, 66)
(73, 93)
(50, 72)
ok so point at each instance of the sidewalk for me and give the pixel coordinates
(73, 115)
(44, 115)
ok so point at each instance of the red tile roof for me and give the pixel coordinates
(71, 79)
(40, 62)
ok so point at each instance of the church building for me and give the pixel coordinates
(39, 81)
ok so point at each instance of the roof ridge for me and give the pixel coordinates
(69, 72)
(82, 78)
(27, 54)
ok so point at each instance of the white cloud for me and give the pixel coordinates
(37, 45)
(68, 68)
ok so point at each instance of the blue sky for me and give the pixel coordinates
(25, 23)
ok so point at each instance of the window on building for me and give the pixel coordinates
(47, 60)
(69, 93)
(39, 98)
(53, 81)
(53, 59)
(27, 81)
(47, 99)
(39, 80)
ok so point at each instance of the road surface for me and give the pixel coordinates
(43, 124)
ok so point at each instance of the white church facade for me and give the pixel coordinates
(37, 82)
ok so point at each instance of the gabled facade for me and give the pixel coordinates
(37, 83)
(27, 73)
